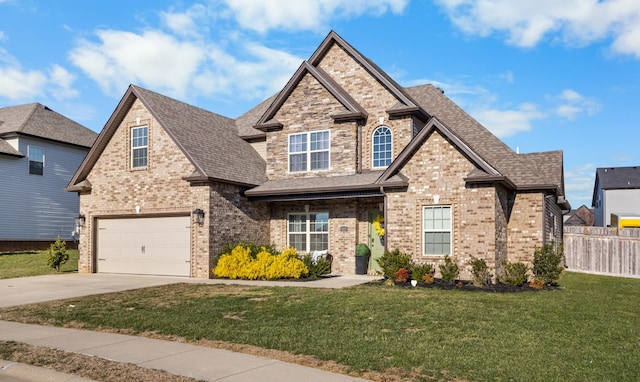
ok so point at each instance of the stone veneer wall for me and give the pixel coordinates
(157, 189)
(438, 168)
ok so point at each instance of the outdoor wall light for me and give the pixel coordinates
(80, 221)
(198, 214)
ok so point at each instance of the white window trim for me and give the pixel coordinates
(308, 152)
(308, 229)
(372, 146)
(132, 148)
(450, 230)
(29, 159)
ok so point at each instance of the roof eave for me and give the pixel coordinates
(324, 190)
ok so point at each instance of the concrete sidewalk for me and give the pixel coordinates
(173, 357)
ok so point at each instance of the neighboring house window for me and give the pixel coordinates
(309, 232)
(436, 226)
(36, 160)
(381, 151)
(139, 146)
(309, 151)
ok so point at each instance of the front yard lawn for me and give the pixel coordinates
(33, 264)
(589, 330)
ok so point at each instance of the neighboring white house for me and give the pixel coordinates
(616, 191)
(40, 151)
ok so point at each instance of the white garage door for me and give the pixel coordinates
(150, 246)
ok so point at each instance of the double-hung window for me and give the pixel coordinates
(309, 151)
(382, 147)
(436, 227)
(139, 146)
(309, 232)
(36, 160)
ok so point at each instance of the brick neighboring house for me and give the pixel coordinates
(39, 152)
(313, 167)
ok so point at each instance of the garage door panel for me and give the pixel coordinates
(158, 246)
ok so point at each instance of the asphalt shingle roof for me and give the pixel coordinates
(210, 141)
(611, 178)
(37, 120)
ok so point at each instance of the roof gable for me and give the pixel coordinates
(209, 141)
(353, 110)
(497, 154)
(483, 169)
(37, 120)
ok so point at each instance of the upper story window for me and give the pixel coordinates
(139, 146)
(309, 151)
(36, 160)
(381, 148)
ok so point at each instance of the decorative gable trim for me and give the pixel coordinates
(406, 105)
(435, 125)
(355, 111)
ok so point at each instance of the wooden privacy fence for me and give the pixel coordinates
(607, 251)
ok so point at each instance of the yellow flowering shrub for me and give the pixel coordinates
(232, 265)
(239, 264)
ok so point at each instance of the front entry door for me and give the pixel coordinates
(376, 242)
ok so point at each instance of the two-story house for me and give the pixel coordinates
(40, 150)
(616, 190)
(342, 155)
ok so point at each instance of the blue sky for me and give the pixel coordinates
(540, 74)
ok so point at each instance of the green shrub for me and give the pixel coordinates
(480, 272)
(418, 271)
(240, 264)
(317, 268)
(57, 254)
(547, 263)
(449, 270)
(392, 261)
(362, 250)
(513, 273)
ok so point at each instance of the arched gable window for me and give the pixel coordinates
(381, 150)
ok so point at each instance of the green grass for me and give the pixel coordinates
(33, 264)
(587, 331)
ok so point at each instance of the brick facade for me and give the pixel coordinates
(160, 190)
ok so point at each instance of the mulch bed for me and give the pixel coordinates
(466, 285)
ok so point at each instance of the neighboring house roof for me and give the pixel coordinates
(583, 216)
(7, 149)
(210, 141)
(37, 120)
(616, 178)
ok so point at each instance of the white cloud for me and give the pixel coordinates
(505, 123)
(571, 104)
(183, 66)
(18, 83)
(263, 15)
(61, 81)
(528, 22)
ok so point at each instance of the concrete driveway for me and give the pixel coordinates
(28, 290)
